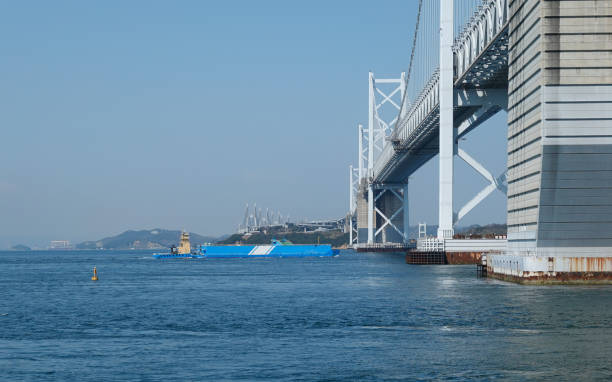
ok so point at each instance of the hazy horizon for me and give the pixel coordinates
(147, 115)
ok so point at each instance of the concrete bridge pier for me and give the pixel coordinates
(559, 143)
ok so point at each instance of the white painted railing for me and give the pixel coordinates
(430, 244)
(483, 28)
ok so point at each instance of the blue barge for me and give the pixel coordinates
(276, 249)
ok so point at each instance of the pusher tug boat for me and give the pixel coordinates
(182, 252)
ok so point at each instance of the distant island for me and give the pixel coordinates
(162, 238)
(20, 247)
(145, 239)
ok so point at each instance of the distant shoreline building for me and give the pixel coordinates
(60, 244)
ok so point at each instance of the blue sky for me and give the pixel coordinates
(127, 115)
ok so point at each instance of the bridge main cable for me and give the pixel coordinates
(413, 49)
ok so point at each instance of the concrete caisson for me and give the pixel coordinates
(559, 142)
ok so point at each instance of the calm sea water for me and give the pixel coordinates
(355, 317)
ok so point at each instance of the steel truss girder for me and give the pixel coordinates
(487, 101)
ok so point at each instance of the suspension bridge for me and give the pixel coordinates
(256, 219)
(548, 65)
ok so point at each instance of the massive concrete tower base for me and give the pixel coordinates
(559, 143)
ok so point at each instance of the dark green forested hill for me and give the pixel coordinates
(145, 239)
(476, 230)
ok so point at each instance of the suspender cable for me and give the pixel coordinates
(414, 42)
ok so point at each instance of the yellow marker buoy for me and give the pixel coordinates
(95, 275)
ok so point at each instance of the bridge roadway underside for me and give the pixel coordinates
(427, 145)
(479, 93)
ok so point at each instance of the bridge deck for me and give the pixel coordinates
(481, 62)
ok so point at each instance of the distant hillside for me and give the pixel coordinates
(20, 247)
(335, 238)
(474, 230)
(145, 239)
(482, 230)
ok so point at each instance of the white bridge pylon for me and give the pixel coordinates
(385, 98)
(353, 190)
(378, 131)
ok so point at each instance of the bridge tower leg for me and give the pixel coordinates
(351, 190)
(370, 214)
(361, 156)
(351, 203)
(406, 214)
(361, 202)
(350, 229)
(371, 141)
(447, 131)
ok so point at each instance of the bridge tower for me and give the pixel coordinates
(387, 214)
(559, 141)
(380, 210)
